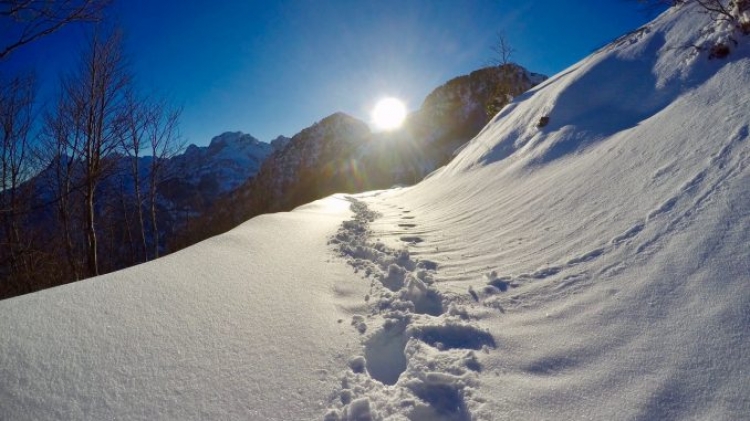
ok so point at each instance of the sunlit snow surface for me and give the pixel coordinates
(242, 326)
(596, 267)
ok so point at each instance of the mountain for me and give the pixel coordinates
(312, 157)
(280, 142)
(341, 154)
(186, 186)
(230, 158)
(200, 175)
(301, 169)
(584, 257)
(450, 116)
(208, 190)
(455, 112)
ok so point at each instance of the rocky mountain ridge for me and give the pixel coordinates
(196, 178)
(341, 154)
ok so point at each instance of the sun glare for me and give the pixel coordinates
(388, 114)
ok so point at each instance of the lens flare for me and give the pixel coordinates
(388, 114)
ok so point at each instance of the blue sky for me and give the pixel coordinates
(275, 67)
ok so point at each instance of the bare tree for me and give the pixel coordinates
(164, 143)
(505, 84)
(92, 107)
(501, 50)
(61, 146)
(25, 21)
(151, 128)
(135, 121)
(16, 106)
(736, 12)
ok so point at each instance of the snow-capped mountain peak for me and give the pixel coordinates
(233, 139)
(230, 159)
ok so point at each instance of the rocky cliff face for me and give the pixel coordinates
(227, 162)
(450, 116)
(312, 158)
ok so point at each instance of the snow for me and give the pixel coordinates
(596, 267)
(242, 326)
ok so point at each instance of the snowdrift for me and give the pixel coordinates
(599, 229)
(247, 325)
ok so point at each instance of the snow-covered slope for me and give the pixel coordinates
(586, 256)
(608, 252)
(244, 326)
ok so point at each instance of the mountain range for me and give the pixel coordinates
(341, 154)
(150, 207)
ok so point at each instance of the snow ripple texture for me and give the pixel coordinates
(419, 357)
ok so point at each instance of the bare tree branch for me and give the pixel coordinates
(25, 21)
(502, 50)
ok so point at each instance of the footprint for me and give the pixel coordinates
(394, 278)
(542, 273)
(550, 365)
(409, 296)
(443, 397)
(384, 354)
(501, 284)
(411, 239)
(427, 264)
(571, 280)
(427, 301)
(612, 270)
(696, 181)
(454, 336)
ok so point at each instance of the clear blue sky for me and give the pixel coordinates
(275, 67)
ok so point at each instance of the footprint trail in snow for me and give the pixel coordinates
(419, 350)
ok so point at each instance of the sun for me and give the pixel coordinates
(388, 114)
